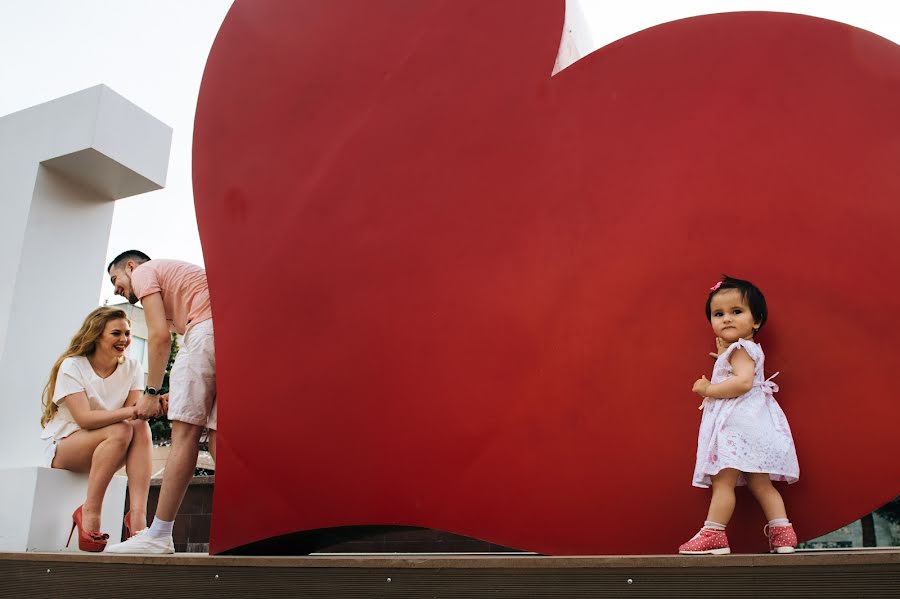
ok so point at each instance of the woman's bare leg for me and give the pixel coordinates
(139, 467)
(100, 453)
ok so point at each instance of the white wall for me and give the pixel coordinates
(61, 165)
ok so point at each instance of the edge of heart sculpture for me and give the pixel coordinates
(453, 292)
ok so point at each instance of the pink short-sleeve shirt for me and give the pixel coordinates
(183, 288)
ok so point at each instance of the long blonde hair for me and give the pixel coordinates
(84, 343)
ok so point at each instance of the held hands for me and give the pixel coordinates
(150, 406)
(147, 406)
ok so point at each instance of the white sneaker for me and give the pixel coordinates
(142, 542)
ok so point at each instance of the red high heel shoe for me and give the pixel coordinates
(87, 541)
(128, 534)
(129, 530)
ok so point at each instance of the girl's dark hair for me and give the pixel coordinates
(750, 292)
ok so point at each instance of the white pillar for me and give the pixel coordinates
(577, 40)
(62, 163)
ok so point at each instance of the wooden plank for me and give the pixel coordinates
(860, 574)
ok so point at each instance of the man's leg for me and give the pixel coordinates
(192, 383)
(176, 478)
(212, 424)
(212, 443)
(179, 468)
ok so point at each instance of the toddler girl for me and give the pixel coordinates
(744, 436)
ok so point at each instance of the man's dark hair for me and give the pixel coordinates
(751, 294)
(136, 255)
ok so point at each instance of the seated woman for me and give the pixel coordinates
(90, 421)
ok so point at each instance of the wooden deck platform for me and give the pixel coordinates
(854, 573)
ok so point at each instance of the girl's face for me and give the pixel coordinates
(115, 339)
(731, 317)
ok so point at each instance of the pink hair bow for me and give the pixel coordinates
(716, 286)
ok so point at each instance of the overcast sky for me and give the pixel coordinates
(153, 52)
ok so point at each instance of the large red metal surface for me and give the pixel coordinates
(453, 292)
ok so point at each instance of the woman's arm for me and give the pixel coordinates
(742, 381)
(133, 396)
(89, 419)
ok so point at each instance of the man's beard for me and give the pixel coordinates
(132, 298)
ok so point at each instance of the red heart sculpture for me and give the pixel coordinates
(452, 292)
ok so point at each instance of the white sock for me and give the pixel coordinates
(160, 528)
(713, 525)
(779, 522)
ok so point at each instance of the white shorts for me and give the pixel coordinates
(49, 452)
(192, 382)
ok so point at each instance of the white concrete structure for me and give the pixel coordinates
(36, 508)
(577, 40)
(61, 165)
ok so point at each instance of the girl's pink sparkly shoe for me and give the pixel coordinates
(782, 539)
(706, 542)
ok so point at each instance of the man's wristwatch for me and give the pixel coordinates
(151, 391)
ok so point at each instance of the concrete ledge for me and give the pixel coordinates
(36, 506)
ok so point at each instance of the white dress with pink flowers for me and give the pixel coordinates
(749, 433)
